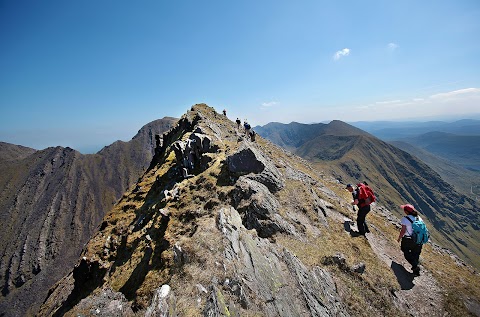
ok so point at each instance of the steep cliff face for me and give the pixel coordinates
(223, 226)
(51, 202)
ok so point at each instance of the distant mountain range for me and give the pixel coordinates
(392, 130)
(353, 155)
(52, 200)
(450, 148)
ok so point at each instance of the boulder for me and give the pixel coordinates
(249, 161)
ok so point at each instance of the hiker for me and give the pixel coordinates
(238, 123)
(410, 248)
(247, 127)
(363, 208)
(224, 112)
(252, 136)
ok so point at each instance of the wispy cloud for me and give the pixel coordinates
(452, 103)
(456, 93)
(392, 46)
(388, 102)
(269, 104)
(341, 53)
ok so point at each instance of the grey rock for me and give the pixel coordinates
(257, 206)
(318, 288)
(203, 143)
(163, 303)
(359, 268)
(179, 256)
(337, 259)
(259, 268)
(244, 162)
(249, 160)
(216, 305)
(106, 303)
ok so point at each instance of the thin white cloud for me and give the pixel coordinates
(269, 104)
(392, 46)
(448, 104)
(341, 53)
(456, 93)
(387, 102)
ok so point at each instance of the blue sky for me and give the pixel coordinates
(86, 73)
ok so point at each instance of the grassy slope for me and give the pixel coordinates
(352, 156)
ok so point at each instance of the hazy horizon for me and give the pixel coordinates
(93, 147)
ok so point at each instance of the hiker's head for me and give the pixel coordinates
(349, 187)
(409, 209)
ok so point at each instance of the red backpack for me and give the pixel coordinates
(366, 194)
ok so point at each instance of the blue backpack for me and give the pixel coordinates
(420, 232)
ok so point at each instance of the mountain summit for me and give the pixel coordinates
(223, 226)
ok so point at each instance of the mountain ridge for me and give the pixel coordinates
(251, 229)
(51, 201)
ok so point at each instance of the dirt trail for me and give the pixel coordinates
(419, 296)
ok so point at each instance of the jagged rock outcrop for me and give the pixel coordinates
(229, 243)
(253, 259)
(248, 160)
(259, 208)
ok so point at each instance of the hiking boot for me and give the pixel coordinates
(416, 271)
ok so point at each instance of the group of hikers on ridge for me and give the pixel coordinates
(248, 129)
(413, 233)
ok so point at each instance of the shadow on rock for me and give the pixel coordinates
(404, 278)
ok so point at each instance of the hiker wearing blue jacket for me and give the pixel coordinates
(411, 250)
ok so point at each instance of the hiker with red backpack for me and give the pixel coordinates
(413, 234)
(363, 196)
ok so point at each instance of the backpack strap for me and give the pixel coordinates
(412, 224)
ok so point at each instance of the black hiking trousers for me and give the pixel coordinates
(411, 251)
(361, 223)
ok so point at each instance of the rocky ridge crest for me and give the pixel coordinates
(222, 226)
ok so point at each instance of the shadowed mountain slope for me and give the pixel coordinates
(11, 152)
(51, 202)
(464, 150)
(397, 177)
(222, 226)
(465, 181)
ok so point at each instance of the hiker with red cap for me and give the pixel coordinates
(412, 237)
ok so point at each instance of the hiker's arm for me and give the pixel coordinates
(354, 202)
(402, 232)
